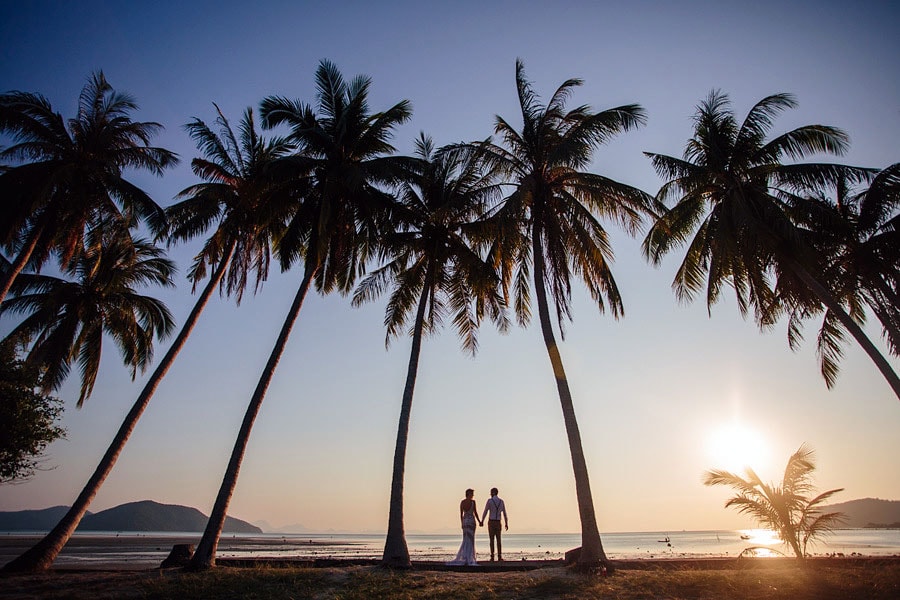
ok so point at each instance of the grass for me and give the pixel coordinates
(875, 581)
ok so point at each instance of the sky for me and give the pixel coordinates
(661, 395)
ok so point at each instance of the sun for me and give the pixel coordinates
(734, 447)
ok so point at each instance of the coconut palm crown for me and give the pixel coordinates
(733, 210)
(237, 196)
(66, 174)
(856, 237)
(66, 320)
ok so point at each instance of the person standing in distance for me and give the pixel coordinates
(493, 508)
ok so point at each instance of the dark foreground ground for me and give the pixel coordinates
(756, 579)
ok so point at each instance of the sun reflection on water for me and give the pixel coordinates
(758, 542)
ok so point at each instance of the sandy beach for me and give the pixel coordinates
(740, 579)
(127, 566)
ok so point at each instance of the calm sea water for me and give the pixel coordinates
(148, 549)
(685, 544)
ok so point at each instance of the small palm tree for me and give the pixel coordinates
(434, 271)
(734, 197)
(785, 508)
(234, 197)
(549, 230)
(72, 173)
(342, 151)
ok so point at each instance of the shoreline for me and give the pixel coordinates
(101, 551)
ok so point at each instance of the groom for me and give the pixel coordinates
(492, 509)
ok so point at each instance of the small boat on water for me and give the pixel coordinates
(665, 541)
(745, 537)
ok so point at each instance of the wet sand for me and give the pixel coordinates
(147, 552)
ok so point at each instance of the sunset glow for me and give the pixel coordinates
(735, 447)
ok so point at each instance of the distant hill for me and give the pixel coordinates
(33, 520)
(867, 512)
(145, 515)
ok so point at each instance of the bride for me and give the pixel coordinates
(467, 516)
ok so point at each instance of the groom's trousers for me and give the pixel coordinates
(494, 529)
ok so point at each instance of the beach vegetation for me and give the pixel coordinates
(61, 177)
(743, 579)
(788, 508)
(547, 232)
(856, 236)
(434, 271)
(29, 417)
(734, 211)
(65, 319)
(233, 199)
(341, 154)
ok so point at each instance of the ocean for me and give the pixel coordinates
(550, 546)
(148, 549)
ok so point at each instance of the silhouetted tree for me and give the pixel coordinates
(732, 195)
(549, 231)
(434, 271)
(341, 155)
(67, 174)
(785, 508)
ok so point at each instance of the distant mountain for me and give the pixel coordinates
(145, 515)
(33, 520)
(867, 512)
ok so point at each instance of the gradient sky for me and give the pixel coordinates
(652, 391)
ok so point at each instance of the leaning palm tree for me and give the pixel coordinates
(434, 271)
(733, 196)
(785, 508)
(857, 242)
(549, 229)
(341, 154)
(234, 198)
(66, 173)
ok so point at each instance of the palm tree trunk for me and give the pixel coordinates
(205, 555)
(22, 259)
(847, 321)
(41, 556)
(396, 552)
(591, 546)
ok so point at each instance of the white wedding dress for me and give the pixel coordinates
(466, 554)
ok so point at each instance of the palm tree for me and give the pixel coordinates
(72, 172)
(733, 197)
(784, 508)
(341, 154)
(856, 241)
(549, 229)
(235, 196)
(66, 320)
(434, 271)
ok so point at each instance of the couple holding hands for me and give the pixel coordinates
(493, 508)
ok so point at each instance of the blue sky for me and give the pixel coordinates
(651, 390)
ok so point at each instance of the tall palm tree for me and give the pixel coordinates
(234, 198)
(69, 172)
(341, 154)
(785, 508)
(733, 196)
(857, 242)
(549, 230)
(434, 271)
